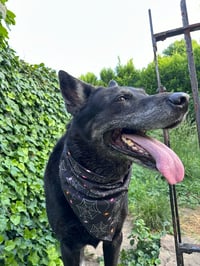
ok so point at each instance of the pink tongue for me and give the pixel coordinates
(167, 162)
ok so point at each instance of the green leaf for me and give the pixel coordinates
(30, 234)
(11, 261)
(34, 258)
(15, 219)
(52, 253)
(1, 239)
(10, 245)
(3, 32)
(19, 206)
(14, 171)
(3, 224)
(10, 17)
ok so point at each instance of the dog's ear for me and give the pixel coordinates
(74, 91)
(112, 83)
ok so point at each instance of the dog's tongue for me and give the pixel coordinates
(167, 162)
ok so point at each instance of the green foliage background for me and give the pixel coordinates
(32, 117)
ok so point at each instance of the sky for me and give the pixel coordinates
(81, 36)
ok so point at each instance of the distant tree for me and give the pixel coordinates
(127, 74)
(148, 79)
(196, 49)
(174, 72)
(173, 68)
(89, 78)
(178, 47)
(123, 74)
(106, 75)
(174, 65)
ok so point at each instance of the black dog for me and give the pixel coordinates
(88, 173)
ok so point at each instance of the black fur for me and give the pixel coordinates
(100, 115)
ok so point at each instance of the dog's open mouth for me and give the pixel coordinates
(149, 152)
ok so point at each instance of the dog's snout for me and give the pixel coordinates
(179, 98)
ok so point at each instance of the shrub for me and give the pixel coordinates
(146, 247)
(31, 118)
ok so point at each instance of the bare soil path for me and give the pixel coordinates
(190, 226)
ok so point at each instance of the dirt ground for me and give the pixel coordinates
(190, 228)
(190, 222)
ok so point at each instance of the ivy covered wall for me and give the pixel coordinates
(32, 117)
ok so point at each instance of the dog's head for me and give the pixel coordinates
(118, 118)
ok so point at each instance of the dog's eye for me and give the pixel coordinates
(122, 98)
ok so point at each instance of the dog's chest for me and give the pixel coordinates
(97, 205)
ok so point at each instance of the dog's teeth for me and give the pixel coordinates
(127, 141)
(133, 146)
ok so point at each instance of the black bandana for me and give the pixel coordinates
(96, 203)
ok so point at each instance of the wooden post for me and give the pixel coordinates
(191, 66)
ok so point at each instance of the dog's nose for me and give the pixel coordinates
(179, 98)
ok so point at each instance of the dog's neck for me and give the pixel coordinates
(78, 169)
(98, 161)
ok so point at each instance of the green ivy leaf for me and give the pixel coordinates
(1, 239)
(10, 245)
(14, 171)
(3, 224)
(3, 32)
(34, 258)
(10, 18)
(30, 234)
(15, 219)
